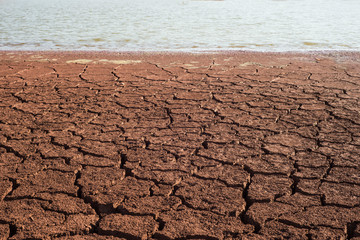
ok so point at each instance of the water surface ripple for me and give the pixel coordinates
(159, 25)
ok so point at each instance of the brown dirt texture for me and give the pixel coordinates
(226, 145)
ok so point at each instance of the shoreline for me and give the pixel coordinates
(203, 51)
(341, 55)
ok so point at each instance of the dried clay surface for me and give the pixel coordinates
(179, 146)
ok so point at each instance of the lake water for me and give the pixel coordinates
(180, 25)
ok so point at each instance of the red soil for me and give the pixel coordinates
(179, 146)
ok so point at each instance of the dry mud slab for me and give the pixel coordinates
(179, 146)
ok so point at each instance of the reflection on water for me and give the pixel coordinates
(123, 25)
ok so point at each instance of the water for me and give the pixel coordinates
(185, 25)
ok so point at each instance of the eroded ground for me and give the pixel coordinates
(176, 146)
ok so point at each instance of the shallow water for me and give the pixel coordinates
(157, 25)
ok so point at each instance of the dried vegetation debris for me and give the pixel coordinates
(173, 148)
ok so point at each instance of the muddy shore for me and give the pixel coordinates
(227, 145)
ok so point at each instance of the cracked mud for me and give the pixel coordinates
(179, 146)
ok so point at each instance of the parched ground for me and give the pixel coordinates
(179, 146)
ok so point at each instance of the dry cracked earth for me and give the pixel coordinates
(179, 146)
